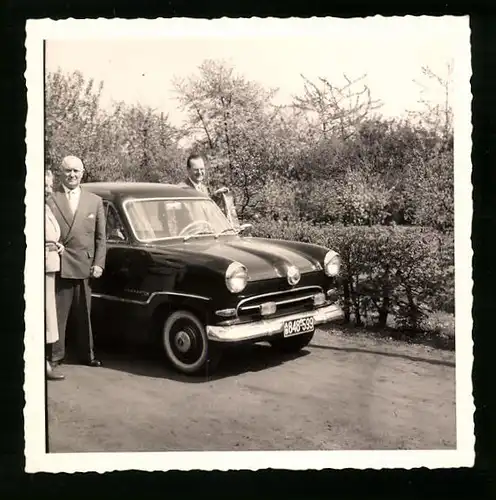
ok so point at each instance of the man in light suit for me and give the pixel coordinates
(81, 218)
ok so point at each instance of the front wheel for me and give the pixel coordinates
(186, 344)
(292, 344)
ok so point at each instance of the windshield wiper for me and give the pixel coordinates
(224, 231)
(201, 233)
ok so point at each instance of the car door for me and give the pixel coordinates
(116, 297)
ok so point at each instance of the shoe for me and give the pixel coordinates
(95, 363)
(52, 375)
(55, 376)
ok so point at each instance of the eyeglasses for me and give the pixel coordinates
(72, 171)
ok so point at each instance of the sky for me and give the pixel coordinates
(139, 68)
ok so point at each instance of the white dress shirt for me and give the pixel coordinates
(73, 196)
(199, 186)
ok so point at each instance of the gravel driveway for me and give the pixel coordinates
(342, 392)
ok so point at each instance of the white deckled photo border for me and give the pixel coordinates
(37, 459)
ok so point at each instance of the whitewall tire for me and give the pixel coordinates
(185, 342)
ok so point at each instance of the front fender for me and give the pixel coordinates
(169, 301)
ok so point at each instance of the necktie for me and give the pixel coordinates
(72, 201)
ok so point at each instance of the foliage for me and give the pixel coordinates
(437, 115)
(74, 119)
(148, 145)
(440, 323)
(336, 110)
(121, 143)
(386, 270)
(388, 172)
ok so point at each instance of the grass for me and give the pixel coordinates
(438, 331)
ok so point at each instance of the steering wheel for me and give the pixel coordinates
(194, 224)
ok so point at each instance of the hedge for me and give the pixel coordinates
(388, 272)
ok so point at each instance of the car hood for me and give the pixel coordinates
(264, 259)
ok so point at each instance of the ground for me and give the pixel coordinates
(343, 392)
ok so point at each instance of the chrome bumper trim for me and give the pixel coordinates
(263, 328)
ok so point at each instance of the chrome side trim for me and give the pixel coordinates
(118, 299)
(148, 300)
(272, 294)
(267, 327)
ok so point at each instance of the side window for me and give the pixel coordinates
(115, 229)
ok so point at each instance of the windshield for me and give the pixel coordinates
(164, 218)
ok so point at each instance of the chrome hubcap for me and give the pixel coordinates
(183, 342)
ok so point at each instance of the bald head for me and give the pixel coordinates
(72, 171)
(72, 161)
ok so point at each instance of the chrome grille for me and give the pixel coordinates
(287, 301)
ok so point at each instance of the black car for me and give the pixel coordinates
(179, 274)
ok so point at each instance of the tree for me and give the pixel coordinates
(437, 111)
(336, 110)
(429, 192)
(150, 152)
(120, 143)
(232, 120)
(73, 119)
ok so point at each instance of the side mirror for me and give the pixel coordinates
(116, 234)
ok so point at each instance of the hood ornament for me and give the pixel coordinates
(293, 275)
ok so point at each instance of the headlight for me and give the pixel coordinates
(236, 277)
(332, 263)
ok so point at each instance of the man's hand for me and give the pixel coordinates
(222, 190)
(60, 248)
(96, 271)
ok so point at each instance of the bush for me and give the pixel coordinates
(275, 201)
(406, 272)
(441, 324)
(356, 199)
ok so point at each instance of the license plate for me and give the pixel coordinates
(298, 326)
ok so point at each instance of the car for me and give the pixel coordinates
(179, 275)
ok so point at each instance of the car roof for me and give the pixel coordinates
(112, 190)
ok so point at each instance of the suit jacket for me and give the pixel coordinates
(52, 236)
(82, 234)
(188, 184)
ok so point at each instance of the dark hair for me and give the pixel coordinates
(193, 156)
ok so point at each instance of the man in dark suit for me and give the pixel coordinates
(195, 166)
(222, 197)
(81, 217)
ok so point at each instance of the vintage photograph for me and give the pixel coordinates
(257, 244)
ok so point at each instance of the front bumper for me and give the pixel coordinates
(268, 327)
